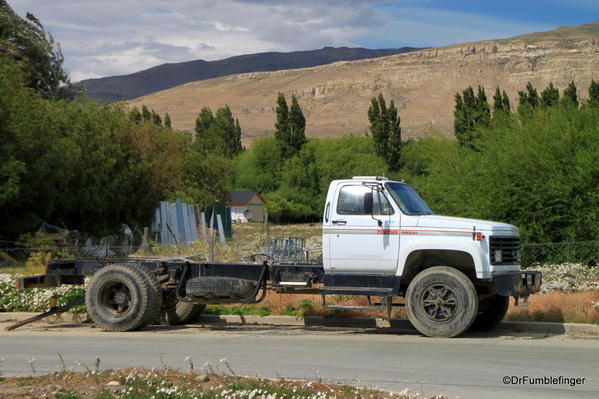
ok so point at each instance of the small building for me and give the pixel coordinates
(247, 206)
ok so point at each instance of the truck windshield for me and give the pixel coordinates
(408, 199)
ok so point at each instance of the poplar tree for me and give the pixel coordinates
(146, 114)
(282, 126)
(135, 115)
(472, 112)
(501, 103)
(386, 131)
(167, 121)
(379, 124)
(594, 94)
(570, 95)
(550, 96)
(528, 100)
(297, 127)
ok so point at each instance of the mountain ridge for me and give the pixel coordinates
(165, 76)
(335, 97)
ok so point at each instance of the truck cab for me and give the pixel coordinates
(379, 235)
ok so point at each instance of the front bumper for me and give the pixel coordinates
(519, 284)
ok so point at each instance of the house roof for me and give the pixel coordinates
(243, 197)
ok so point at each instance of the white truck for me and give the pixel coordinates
(379, 240)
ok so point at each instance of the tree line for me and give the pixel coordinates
(69, 160)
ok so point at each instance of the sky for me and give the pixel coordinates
(114, 37)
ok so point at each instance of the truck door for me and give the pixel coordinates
(357, 243)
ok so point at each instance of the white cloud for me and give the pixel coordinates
(108, 37)
(113, 37)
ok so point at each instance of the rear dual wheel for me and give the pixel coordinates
(123, 297)
(182, 313)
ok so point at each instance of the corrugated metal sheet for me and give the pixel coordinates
(176, 223)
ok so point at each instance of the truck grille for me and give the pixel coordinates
(504, 250)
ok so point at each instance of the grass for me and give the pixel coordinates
(557, 306)
(169, 383)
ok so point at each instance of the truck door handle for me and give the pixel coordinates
(339, 222)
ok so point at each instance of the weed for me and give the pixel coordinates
(68, 395)
(224, 361)
(61, 364)
(190, 366)
(31, 362)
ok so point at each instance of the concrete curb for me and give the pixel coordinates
(319, 321)
(397, 324)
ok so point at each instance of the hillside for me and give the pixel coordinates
(423, 83)
(166, 76)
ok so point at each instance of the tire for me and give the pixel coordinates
(182, 313)
(441, 302)
(121, 298)
(156, 297)
(491, 311)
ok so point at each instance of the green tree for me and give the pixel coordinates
(501, 103)
(135, 115)
(394, 143)
(297, 127)
(594, 94)
(570, 97)
(237, 137)
(282, 130)
(27, 42)
(379, 124)
(386, 131)
(259, 168)
(167, 121)
(472, 113)
(497, 101)
(156, 119)
(230, 132)
(550, 96)
(483, 111)
(113, 169)
(220, 133)
(528, 100)
(206, 135)
(541, 175)
(146, 114)
(506, 102)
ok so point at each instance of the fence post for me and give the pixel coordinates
(211, 241)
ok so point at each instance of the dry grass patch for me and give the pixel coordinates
(558, 306)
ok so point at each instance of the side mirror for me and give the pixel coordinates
(368, 203)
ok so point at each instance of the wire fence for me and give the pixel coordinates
(585, 252)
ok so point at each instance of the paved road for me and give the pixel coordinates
(468, 367)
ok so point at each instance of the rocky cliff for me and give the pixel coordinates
(335, 97)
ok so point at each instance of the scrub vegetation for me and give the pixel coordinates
(173, 384)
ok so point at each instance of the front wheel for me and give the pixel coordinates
(441, 302)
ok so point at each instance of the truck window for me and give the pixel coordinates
(408, 199)
(351, 201)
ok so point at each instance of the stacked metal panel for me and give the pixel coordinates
(176, 223)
